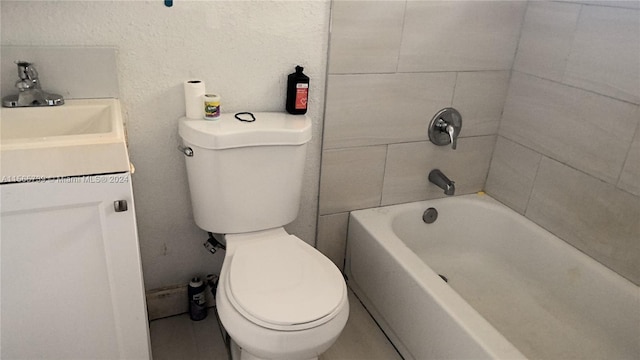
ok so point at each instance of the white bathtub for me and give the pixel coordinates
(514, 289)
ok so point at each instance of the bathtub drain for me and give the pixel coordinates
(430, 215)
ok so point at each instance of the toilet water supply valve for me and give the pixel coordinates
(212, 244)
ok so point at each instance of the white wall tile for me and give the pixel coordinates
(585, 130)
(480, 96)
(630, 177)
(512, 172)
(605, 57)
(547, 35)
(383, 108)
(365, 36)
(460, 35)
(332, 236)
(594, 216)
(408, 167)
(351, 178)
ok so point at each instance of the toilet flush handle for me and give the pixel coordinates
(186, 150)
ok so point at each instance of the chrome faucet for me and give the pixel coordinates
(442, 181)
(30, 92)
(445, 127)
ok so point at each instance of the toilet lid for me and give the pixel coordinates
(284, 282)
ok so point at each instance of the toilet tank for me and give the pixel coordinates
(245, 176)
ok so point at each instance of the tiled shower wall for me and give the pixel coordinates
(568, 150)
(568, 146)
(392, 66)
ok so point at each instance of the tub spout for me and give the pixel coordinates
(442, 181)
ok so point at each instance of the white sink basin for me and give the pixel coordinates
(42, 124)
(81, 137)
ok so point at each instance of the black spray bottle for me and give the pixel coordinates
(297, 92)
(197, 299)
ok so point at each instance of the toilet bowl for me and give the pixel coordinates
(278, 298)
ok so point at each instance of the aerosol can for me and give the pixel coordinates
(197, 299)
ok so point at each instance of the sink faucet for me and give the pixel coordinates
(442, 181)
(31, 94)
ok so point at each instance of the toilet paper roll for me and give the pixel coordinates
(193, 92)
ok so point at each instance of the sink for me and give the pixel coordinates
(81, 137)
(40, 124)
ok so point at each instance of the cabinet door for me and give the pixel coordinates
(71, 277)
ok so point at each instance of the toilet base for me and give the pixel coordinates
(239, 354)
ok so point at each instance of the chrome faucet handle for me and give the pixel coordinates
(26, 71)
(454, 139)
(445, 127)
(28, 76)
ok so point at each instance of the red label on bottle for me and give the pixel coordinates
(302, 91)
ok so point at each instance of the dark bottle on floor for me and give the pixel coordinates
(197, 299)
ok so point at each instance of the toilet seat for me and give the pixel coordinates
(282, 283)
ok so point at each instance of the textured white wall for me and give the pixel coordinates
(242, 49)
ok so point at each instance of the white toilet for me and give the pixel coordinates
(278, 297)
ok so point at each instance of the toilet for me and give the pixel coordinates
(278, 297)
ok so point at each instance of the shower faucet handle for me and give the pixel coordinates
(445, 127)
(454, 139)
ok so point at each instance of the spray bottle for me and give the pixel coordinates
(197, 299)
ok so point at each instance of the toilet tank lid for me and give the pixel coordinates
(269, 128)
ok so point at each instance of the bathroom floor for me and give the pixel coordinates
(178, 337)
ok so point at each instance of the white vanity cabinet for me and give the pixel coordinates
(71, 277)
